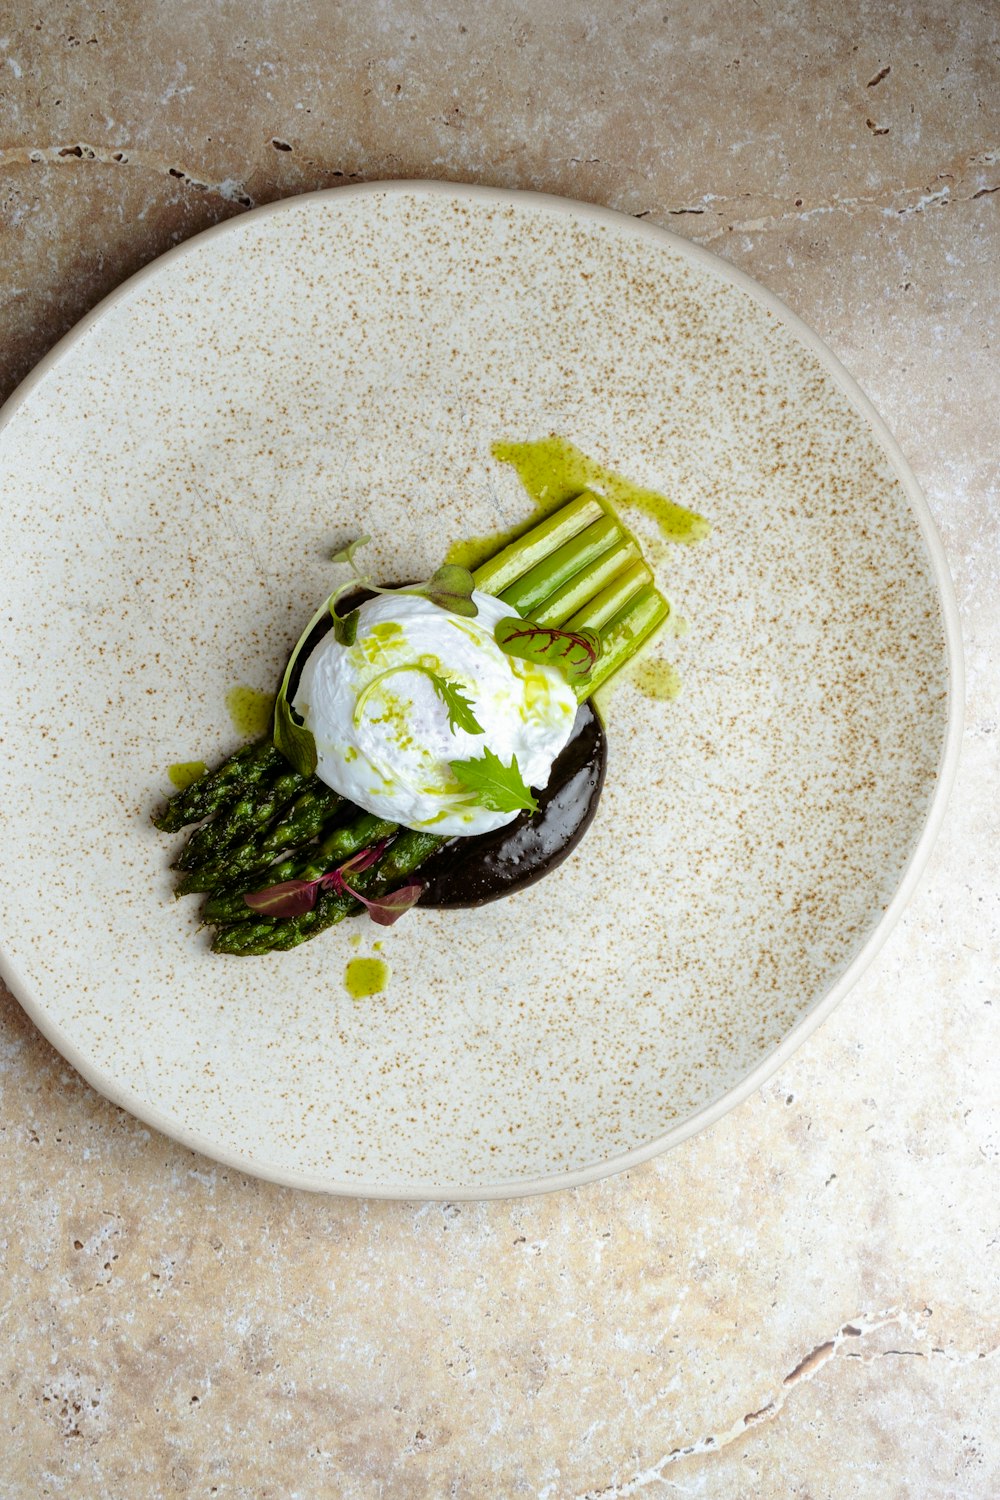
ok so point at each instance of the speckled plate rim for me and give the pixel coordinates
(709, 1113)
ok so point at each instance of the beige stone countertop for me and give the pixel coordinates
(804, 1300)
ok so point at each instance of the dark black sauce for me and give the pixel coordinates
(484, 867)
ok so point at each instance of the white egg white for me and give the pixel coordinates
(382, 732)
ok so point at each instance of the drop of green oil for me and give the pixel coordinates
(250, 710)
(655, 678)
(184, 772)
(365, 976)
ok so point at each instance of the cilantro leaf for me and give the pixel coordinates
(495, 786)
(574, 652)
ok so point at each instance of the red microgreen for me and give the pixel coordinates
(389, 908)
(363, 860)
(288, 899)
(292, 898)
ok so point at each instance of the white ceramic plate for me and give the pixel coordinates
(173, 476)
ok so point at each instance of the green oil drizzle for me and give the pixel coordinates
(553, 470)
(366, 976)
(250, 710)
(184, 772)
(472, 551)
(655, 678)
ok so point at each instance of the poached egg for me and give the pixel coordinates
(382, 731)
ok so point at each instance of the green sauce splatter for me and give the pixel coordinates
(472, 551)
(554, 470)
(655, 678)
(250, 710)
(366, 976)
(184, 772)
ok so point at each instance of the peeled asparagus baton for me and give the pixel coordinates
(585, 572)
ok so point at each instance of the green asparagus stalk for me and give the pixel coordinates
(228, 905)
(277, 934)
(206, 795)
(295, 824)
(252, 810)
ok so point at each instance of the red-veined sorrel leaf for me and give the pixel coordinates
(574, 652)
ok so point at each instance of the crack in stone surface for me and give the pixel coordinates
(901, 202)
(229, 188)
(807, 1368)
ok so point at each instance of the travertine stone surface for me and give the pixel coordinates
(804, 1300)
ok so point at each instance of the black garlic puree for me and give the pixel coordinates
(485, 866)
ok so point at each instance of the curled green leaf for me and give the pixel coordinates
(293, 739)
(345, 627)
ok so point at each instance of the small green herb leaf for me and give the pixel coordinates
(460, 715)
(292, 738)
(495, 786)
(346, 554)
(345, 627)
(450, 588)
(574, 652)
